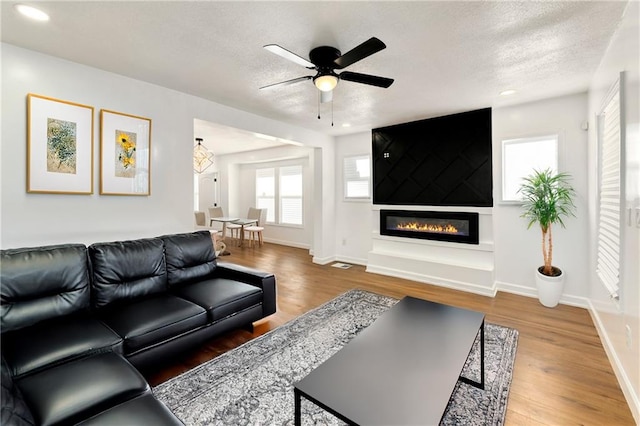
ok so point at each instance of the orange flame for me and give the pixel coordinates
(427, 227)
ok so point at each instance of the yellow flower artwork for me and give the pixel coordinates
(125, 154)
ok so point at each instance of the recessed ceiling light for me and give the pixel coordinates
(32, 12)
(346, 125)
(507, 92)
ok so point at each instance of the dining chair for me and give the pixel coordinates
(234, 231)
(201, 223)
(214, 212)
(201, 219)
(254, 214)
(238, 229)
(255, 231)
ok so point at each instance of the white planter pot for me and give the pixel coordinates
(549, 288)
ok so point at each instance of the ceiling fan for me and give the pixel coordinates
(325, 60)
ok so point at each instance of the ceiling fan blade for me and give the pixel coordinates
(281, 51)
(326, 96)
(287, 82)
(359, 52)
(372, 80)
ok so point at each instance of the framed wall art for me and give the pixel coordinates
(125, 154)
(59, 146)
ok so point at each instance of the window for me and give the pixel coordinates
(266, 192)
(280, 191)
(520, 157)
(609, 218)
(357, 177)
(291, 195)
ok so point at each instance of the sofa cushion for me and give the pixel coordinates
(143, 410)
(221, 297)
(155, 319)
(39, 283)
(190, 257)
(14, 410)
(126, 270)
(55, 341)
(79, 389)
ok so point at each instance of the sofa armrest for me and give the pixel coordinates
(265, 280)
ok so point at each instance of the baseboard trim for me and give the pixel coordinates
(287, 243)
(323, 260)
(565, 299)
(352, 260)
(623, 379)
(427, 279)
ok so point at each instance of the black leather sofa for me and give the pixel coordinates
(80, 324)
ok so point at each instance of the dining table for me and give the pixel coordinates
(224, 220)
(235, 220)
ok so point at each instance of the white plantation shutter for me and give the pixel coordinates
(357, 172)
(266, 192)
(291, 195)
(609, 219)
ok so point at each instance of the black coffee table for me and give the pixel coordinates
(401, 370)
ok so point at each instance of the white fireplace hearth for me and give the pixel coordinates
(467, 267)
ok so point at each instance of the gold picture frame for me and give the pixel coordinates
(59, 146)
(125, 154)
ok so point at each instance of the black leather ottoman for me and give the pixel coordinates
(143, 410)
(79, 389)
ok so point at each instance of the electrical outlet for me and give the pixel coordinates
(627, 329)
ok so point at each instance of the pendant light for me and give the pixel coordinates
(202, 157)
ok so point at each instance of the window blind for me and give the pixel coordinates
(266, 191)
(291, 195)
(609, 219)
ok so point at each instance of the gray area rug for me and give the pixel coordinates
(253, 384)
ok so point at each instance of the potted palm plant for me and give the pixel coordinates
(547, 200)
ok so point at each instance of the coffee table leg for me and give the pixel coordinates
(296, 416)
(480, 384)
(482, 356)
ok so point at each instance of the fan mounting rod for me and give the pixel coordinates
(323, 58)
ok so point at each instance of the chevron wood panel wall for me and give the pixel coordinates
(443, 161)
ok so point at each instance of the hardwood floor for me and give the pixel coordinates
(561, 376)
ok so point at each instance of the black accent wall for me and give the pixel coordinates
(442, 161)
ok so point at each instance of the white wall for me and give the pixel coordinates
(324, 169)
(612, 318)
(37, 219)
(517, 250)
(353, 218)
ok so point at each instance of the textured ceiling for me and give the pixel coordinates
(445, 57)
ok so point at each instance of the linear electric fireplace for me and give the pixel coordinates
(455, 227)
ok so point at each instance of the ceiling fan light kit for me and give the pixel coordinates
(326, 59)
(326, 82)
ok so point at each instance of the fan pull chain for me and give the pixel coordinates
(318, 105)
(332, 112)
